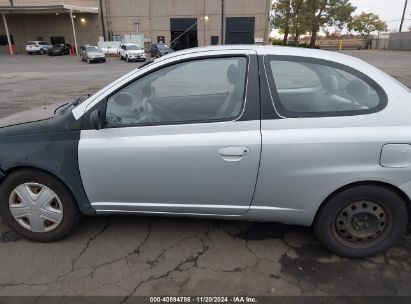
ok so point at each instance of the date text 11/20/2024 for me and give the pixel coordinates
(238, 299)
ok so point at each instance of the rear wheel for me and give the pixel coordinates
(362, 221)
(38, 206)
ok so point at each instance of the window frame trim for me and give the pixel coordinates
(284, 113)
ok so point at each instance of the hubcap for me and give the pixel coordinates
(36, 207)
(361, 222)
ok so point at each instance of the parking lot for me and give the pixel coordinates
(135, 255)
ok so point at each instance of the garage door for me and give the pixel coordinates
(240, 30)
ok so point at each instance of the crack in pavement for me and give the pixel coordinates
(95, 236)
(190, 259)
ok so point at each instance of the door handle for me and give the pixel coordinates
(233, 153)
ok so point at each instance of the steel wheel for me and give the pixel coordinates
(361, 223)
(36, 207)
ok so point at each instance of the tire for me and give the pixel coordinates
(362, 221)
(127, 59)
(41, 52)
(88, 60)
(70, 214)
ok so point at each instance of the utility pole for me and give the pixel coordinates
(103, 27)
(403, 15)
(222, 22)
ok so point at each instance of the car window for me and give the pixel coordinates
(182, 93)
(310, 88)
(293, 75)
(31, 43)
(93, 49)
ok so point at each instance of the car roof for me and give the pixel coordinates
(331, 56)
(273, 50)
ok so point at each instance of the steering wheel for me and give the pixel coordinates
(113, 119)
(158, 112)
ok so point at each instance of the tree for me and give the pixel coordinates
(327, 12)
(282, 11)
(298, 19)
(366, 23)
(290, 18)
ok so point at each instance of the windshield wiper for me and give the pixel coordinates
(79, 100)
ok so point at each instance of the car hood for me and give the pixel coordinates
(28, 116)
(95, 54)
(135, 52)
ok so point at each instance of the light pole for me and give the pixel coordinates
(403, 15)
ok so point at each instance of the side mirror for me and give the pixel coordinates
(96, 120)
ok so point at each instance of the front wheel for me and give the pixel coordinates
(38, 206)
(41, 52)
(88, 60)
(362, 221)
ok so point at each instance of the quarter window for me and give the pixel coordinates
(193, 91)
(310, 88)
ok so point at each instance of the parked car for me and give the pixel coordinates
(160, 49)
(262, 133)
(131, 52)
(109, 50)
(59, 49)
(91, 53)
(37, 47)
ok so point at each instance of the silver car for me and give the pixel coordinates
(258, 133)
(91, 53)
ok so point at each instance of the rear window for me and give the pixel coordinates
(305, 87)
(293, 75)
(31, 43)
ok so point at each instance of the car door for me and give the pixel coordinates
(177, 140)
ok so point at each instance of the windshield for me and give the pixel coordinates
(93, 49)
(162, 46)
(133, 47)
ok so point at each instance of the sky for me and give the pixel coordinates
(389, 11)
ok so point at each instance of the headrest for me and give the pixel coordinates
(358, 89)
(232, 74)
(330, 83)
